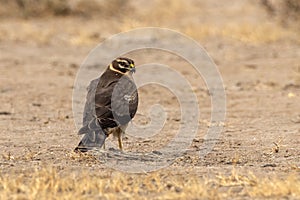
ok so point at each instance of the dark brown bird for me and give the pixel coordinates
(111, 103)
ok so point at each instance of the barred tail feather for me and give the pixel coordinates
(94, 137)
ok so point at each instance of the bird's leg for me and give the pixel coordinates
(120, 137)
(120, 140)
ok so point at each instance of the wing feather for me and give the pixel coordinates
(112, 101)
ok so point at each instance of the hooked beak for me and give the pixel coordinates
(132, 68)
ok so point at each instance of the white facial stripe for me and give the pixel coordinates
(113, 69)
(121, 66)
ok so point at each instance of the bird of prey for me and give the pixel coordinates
(111, 103)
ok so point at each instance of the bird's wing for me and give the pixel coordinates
(124, 100)
(89, 108)
(103, 105)
(113, 103)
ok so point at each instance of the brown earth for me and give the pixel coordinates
(257, 59)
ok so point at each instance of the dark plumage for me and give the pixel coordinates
(111, 103)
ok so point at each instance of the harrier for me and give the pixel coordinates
(111, 103)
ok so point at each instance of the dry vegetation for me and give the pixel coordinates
(117, 16)
(76, 23)
(49, 183)
(29, 9)
(286, 11)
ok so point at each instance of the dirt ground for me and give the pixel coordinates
(258, 60)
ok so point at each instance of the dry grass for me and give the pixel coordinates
(247, 33)
(49, 183)
(86, 30)
(45, 8)
(286, 11)
(38, 33)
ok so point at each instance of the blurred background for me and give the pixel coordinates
(254, 43)
(87, 22)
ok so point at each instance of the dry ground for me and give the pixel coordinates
(257, 155)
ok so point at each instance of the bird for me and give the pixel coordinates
(111, 103)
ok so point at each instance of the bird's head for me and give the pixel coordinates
(123, 65)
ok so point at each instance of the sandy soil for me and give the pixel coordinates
(261, 132)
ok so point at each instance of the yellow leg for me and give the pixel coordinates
(120, 141)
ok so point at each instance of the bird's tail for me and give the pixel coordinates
(94, 137)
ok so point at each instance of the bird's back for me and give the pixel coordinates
(112, 98)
